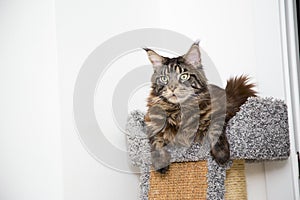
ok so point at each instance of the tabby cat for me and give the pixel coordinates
(183, 108)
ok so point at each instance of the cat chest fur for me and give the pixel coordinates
(191, 128)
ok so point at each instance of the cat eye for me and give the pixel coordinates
(164, 79)
(184, 77)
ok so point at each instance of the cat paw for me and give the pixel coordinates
(221, 157)
(160, 161)
(221, 153)
(163, 170)
(161, 167)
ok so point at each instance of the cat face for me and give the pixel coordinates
(175, 82)
(177, 79)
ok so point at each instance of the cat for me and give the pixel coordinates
(183, 108)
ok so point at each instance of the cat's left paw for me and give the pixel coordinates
(220, 152)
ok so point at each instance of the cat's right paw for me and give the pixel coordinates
(163, 170)
(160, 161)
(161, 167)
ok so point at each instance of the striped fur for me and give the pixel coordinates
(183, 108)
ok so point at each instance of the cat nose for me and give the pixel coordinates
(172, 87)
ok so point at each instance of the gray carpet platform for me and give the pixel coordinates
(258, 132)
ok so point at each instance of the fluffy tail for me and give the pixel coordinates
(237, 90)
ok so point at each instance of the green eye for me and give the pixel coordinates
(164, 79)
(184, 77)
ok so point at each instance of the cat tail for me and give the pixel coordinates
(238, 89)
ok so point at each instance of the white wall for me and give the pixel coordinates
(38, 137)
(81, 27)
(30, 149)
(241, 37)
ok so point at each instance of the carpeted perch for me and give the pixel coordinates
(258, 132)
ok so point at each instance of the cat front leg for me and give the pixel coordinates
(160, 157)
(155, 120)
(220, 150)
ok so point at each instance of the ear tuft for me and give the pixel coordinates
(196, 42)
(146, 49)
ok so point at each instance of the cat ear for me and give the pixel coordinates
(156, 59)
(193, 56)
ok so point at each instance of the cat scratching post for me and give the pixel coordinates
(258, 132)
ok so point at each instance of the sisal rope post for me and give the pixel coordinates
(235, 183)
(188, 181)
